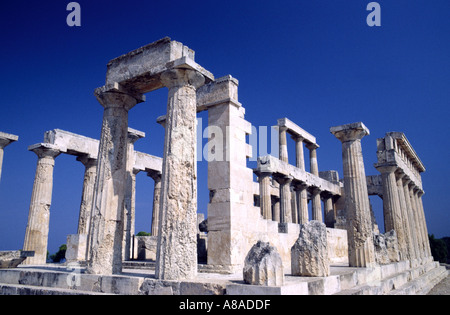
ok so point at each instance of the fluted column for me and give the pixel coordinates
(393, 219)
(106, 236)
(302, 198)
(177, 240)
(285, 198)
(264, 192)
(411, 218)
(275, 208)
(420, 193)
(330, 216)
(316, 204)
(299, 153)
(90, 173)
(314, 166)
(156, 176)
(360, 235)
(417, 226)
(36, 235)
(405, 217)
(283, 145)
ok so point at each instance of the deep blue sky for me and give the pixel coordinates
(315, 62)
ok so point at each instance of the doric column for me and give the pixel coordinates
(299, 153)
(314, 166)
(294, 206)
(36, 235)
(420, 221)
(302, 197)
(90, 172)
(275, 208)
(330, 216)
(417, 226)
(420, 193)
(405, 216)
(156, 176)
(106, 236)
(393, 219)
(316, 204)
(283, 144)
(285, 198)
(360, 235)
(411, 217)
(130, 193)
(5, 140)
(264, 193)
(177, 240)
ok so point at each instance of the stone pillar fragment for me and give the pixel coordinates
(314, 166)
(177, 240)
(106, 235)
(5, 140)
(357, 207)
(36, 235)
(283, 145)
(156, 176)
(263, 266)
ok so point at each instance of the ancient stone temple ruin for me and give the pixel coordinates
(258, 221)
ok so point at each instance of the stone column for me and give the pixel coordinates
(90, 173)
(156, 176)
(330, 216)
(177, 240)
(130, 193)
(294, 206)
(285, 199)
(360, 235)
(420, 193)
(417, 222)
(393, 219)
(411, 217)
(302, 197)
(299, 154)
(264, 193)
(106, 236)
(283, 144)
(405, 217)
(5, 140)
(275, 209)
(36, 235)
(316, 204)
(314, 166)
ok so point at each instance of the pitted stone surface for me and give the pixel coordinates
(263, 266)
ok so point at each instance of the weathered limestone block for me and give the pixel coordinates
(263, 266)
(146, 247)
(386, 248)
(11, 259)
(76, 248)
(309, 255)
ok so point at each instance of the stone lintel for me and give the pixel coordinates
(147, 163)
(296, 131)
(6, 139)
(135, 135)
(43, 146)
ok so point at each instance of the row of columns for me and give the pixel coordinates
(403, 212)
(292, 207)
(36, 236)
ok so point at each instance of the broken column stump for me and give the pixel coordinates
(263, 266)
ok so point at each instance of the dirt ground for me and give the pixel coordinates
(443, 287)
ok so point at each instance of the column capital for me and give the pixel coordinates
(134, 135)
(44, 150)
(385, 168)
(297, 138)
(314, 190)
(311, 146)
(6, 139)
(182, 77)
(299, 186)
(115, 99)
(155, 175)
(87, 161)
(283, 179)
(350, 132)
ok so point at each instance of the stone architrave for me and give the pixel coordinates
(106, 236)
(263, 266)
(309, 254)
(36, 234)
(5, 140)
(177, 240)
(360, 241)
